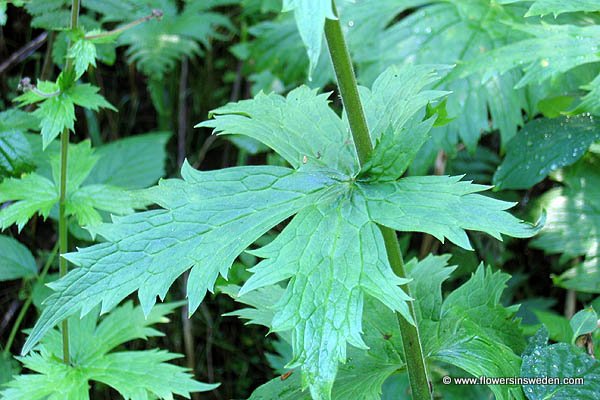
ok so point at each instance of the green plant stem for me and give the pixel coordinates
(63, 266)
(28, 302)
(62, 230)
(342, 64)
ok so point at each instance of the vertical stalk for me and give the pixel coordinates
(62, 230)
(342, 64)
(63, 267)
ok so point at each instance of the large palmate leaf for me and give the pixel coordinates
(136, 375)
(543, 146)
(208, 218)
(573, 225)
(38, 192)
(560, 360)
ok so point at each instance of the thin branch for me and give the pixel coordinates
(23, 52)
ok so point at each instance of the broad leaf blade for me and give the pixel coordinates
(195, 228)
(133, 163)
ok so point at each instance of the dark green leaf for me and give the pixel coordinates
(545, 145)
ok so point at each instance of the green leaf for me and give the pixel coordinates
(83, 52)
(559, 360)
(56, 114)
(49, 14)
(444, 207)
(207, 219)
(135, 162)
(15, 153)
(310, 18)
(39, 192)
(334, 256)
(584, 322)
(557, 325)
(364, 371)
(583, 277)
(468, 340)
(86, 95)
(557, 7)
(258, 198)
(454, 33)
(395, 112)
(545, 145)
(31, 194)
(17, 261)
(134, 374)
(473, 330)
(538, 55)
(9, 367)
(56, 110)
(15, 119)
(299, 137)
(573, 224)
(157, 45)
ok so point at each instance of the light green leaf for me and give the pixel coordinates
(395, 110)
(444, 207)
(334, 255)
(559, 360)
(310, 18)
(471, 330)
(16, 261)
(583, 322)
(56, 114)
(134, 374)
(257, 199)
(86, 95)
(15, 119)
(135, 162)
(557, 7)
(545, 145)
(364, 371)
(31, 194)
(36, 193)
(300, 127)
(83, 52)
